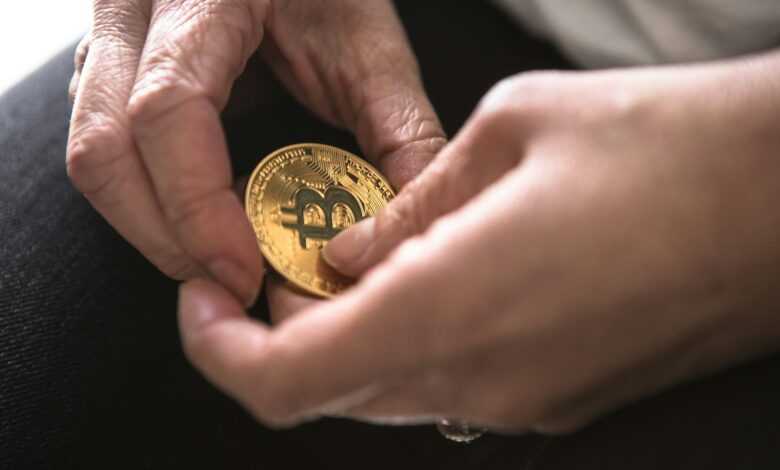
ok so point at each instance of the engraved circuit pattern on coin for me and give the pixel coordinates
(301, 196)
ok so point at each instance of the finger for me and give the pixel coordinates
(218, 337)
(395, 124)
(337, 354)
(240, 355)
(102, 160)
(464, 168)
(298, 370)
(391, 115)
(402, 319)
(194, 52)
(360, 73)
(405, 318)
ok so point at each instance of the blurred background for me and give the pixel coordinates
(32, 31)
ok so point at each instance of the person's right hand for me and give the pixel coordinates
(586, 240)
(146, 144)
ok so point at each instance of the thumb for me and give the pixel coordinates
(475, 159)
(395, 124)
(388, 109)
(355, 68)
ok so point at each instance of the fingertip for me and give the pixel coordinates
(345, 252)
(408, 161)
(219, 339)
(243, 284)
(201, 303)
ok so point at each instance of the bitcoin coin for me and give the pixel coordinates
(301, 196)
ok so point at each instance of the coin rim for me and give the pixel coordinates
(248, 190)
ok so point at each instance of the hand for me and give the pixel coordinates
(146, 144)
(586, 240)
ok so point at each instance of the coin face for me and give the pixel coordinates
(301, 196)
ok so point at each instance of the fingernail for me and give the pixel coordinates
(236, 279)
(347, 247)
(192, 313)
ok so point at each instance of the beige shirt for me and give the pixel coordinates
(604, 33)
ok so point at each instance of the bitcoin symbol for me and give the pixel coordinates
(294, 212)
(315, 213)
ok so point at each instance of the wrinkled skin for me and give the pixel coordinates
(587, 239)
(146, 144)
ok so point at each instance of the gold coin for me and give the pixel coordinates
(301, 196)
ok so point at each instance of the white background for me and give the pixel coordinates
(31, 31)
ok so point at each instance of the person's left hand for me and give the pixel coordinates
(147, 147)
(586, 240)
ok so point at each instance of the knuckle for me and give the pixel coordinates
(420, 203)
(500, 96)
(496, 121)
(117, 27)
(90, 157)
(414, 156)
(238, 22)
(412, 210)
(176, 265)
(190, 209)
(183, 211)
(525, 96)
(406, 122)
(159, 91)
(401, 216)
(112, 19)
(623, 104)
(537, 82)
(200, 58)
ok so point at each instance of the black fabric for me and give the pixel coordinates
(91, 369)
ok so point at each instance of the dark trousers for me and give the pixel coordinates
(91, 370)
